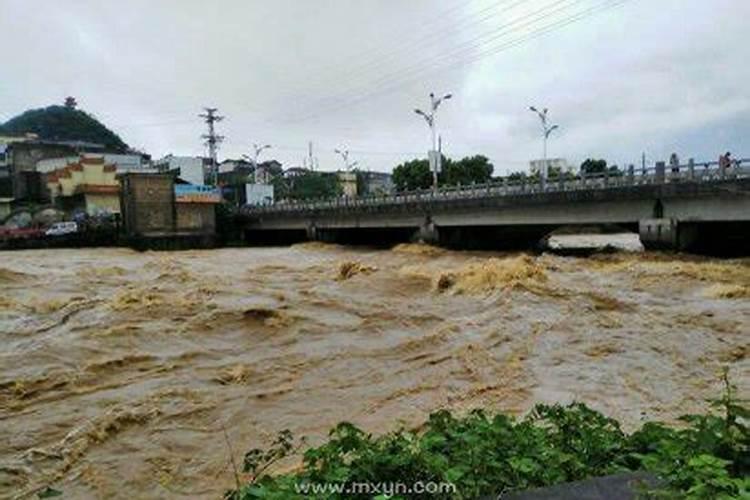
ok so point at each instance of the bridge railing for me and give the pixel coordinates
(507, 186)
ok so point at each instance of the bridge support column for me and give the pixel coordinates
(667, 234)
(312, 232)
(427, 233)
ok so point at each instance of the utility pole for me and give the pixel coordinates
(434, 155)
(547, 130)
(212, 141)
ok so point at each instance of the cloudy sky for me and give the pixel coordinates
(620, 77)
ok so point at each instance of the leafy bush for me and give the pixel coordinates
(481, 454)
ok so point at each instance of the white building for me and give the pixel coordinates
(259, 194)
(191, 167)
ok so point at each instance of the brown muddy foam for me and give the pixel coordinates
(117, 376)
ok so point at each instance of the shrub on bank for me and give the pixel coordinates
(481, 454)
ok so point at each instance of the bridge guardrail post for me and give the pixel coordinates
(659, 172)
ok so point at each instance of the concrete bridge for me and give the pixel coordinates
(696, 207)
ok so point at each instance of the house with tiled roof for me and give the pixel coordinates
(87, 185)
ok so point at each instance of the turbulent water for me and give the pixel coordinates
(120, 371)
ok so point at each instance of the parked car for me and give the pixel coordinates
(61, 228)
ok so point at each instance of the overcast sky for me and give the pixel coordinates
(619, 77)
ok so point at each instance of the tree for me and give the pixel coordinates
(313, 185)
(416, 174)
(412, 175)
(475, 169)
(70, 102)
(599, 167)
(61, 123)
(592, 166)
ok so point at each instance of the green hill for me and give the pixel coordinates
(61, 123)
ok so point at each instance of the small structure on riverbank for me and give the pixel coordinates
(159, 214)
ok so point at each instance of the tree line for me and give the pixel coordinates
(416, 174)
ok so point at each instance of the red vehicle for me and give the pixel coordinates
(12, 234)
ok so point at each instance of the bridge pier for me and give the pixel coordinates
(427, 233)
(715, 238)
(659, 234)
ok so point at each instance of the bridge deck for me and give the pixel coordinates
(694, 179)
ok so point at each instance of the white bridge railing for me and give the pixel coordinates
(631, 177)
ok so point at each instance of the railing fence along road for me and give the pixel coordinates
(631, 177)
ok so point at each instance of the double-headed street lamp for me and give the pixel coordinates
(345, 156)
(546, 130)
(430, 119)
(257, 150)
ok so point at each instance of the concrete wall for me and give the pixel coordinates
(147, 204)
(196, 217)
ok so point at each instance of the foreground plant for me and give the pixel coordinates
(482, 454)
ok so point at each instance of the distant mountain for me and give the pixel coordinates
(63, 123)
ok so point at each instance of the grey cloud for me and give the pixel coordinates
(648, 75)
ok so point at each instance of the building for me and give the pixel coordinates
(191, 169)
(348, 183)
(19, 156)
(123, 162)
(293, 172)
(232, 182)
(156, 212)
(195, 208)
(88, 185)
(6, 207)
(259, 194)
(233, 165)
(147, 204)
(266, 171)
(553, 165)
(376, 183)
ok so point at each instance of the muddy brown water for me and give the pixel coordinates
(119, 370)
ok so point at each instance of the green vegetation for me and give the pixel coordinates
(706, 458)
(597, 167)
(308, 186)
(412, 175)
(416, 174)
(63, 123)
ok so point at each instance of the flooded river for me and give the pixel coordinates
(119, 370)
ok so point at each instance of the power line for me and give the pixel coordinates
(412, 46)
(505, 29)
(420, 72)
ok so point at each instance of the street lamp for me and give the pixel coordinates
(546, 130)
(257, 150)
(345, 156)
(430, 119)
